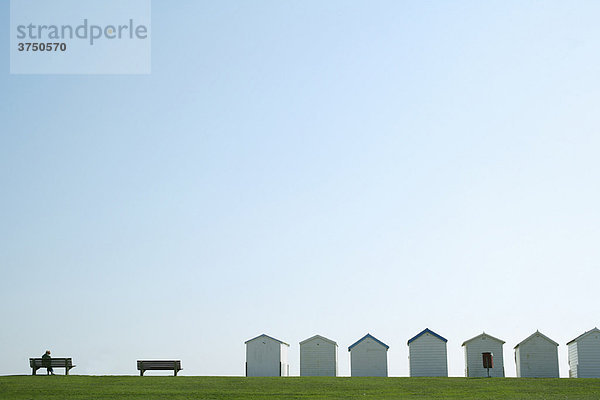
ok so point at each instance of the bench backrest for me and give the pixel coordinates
(54, 362)
(159, 364)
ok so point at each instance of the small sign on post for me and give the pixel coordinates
(488, 362)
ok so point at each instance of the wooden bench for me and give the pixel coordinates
(155, 365)
(66, 363)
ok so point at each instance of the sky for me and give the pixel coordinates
(306, 167)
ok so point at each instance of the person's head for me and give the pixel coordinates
(47, 351)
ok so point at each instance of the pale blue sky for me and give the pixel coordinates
(306, 167)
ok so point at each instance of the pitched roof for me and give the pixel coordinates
(583, 334)
(368, 335)
(318, 337)
(482, 335)
(267, 336)
(427, 330)
(537, 333)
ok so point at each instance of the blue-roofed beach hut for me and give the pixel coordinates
(427, 354)
(368, 357)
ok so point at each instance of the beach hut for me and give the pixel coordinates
(266, 356)
(318, 357)
(584, 355)
(537, 357)
(427, 355)
(368, 357)
(474, 356)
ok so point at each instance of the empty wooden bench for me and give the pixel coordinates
(66, 363)
(155, 365)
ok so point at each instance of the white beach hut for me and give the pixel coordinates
(368, 357)
(474, 349)
(318, 357)
(584, 355)
(266, 356)
(427, 354)
(537, 357)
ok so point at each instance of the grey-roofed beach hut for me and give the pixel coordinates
(584, 355)
(318, 357)
(537, 357)
(266, 356)
(474, 349)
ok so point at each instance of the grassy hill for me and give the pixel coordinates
(159, 387)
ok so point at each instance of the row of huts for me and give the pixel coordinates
(536, 356)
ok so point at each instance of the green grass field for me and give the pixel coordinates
(155, 387)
